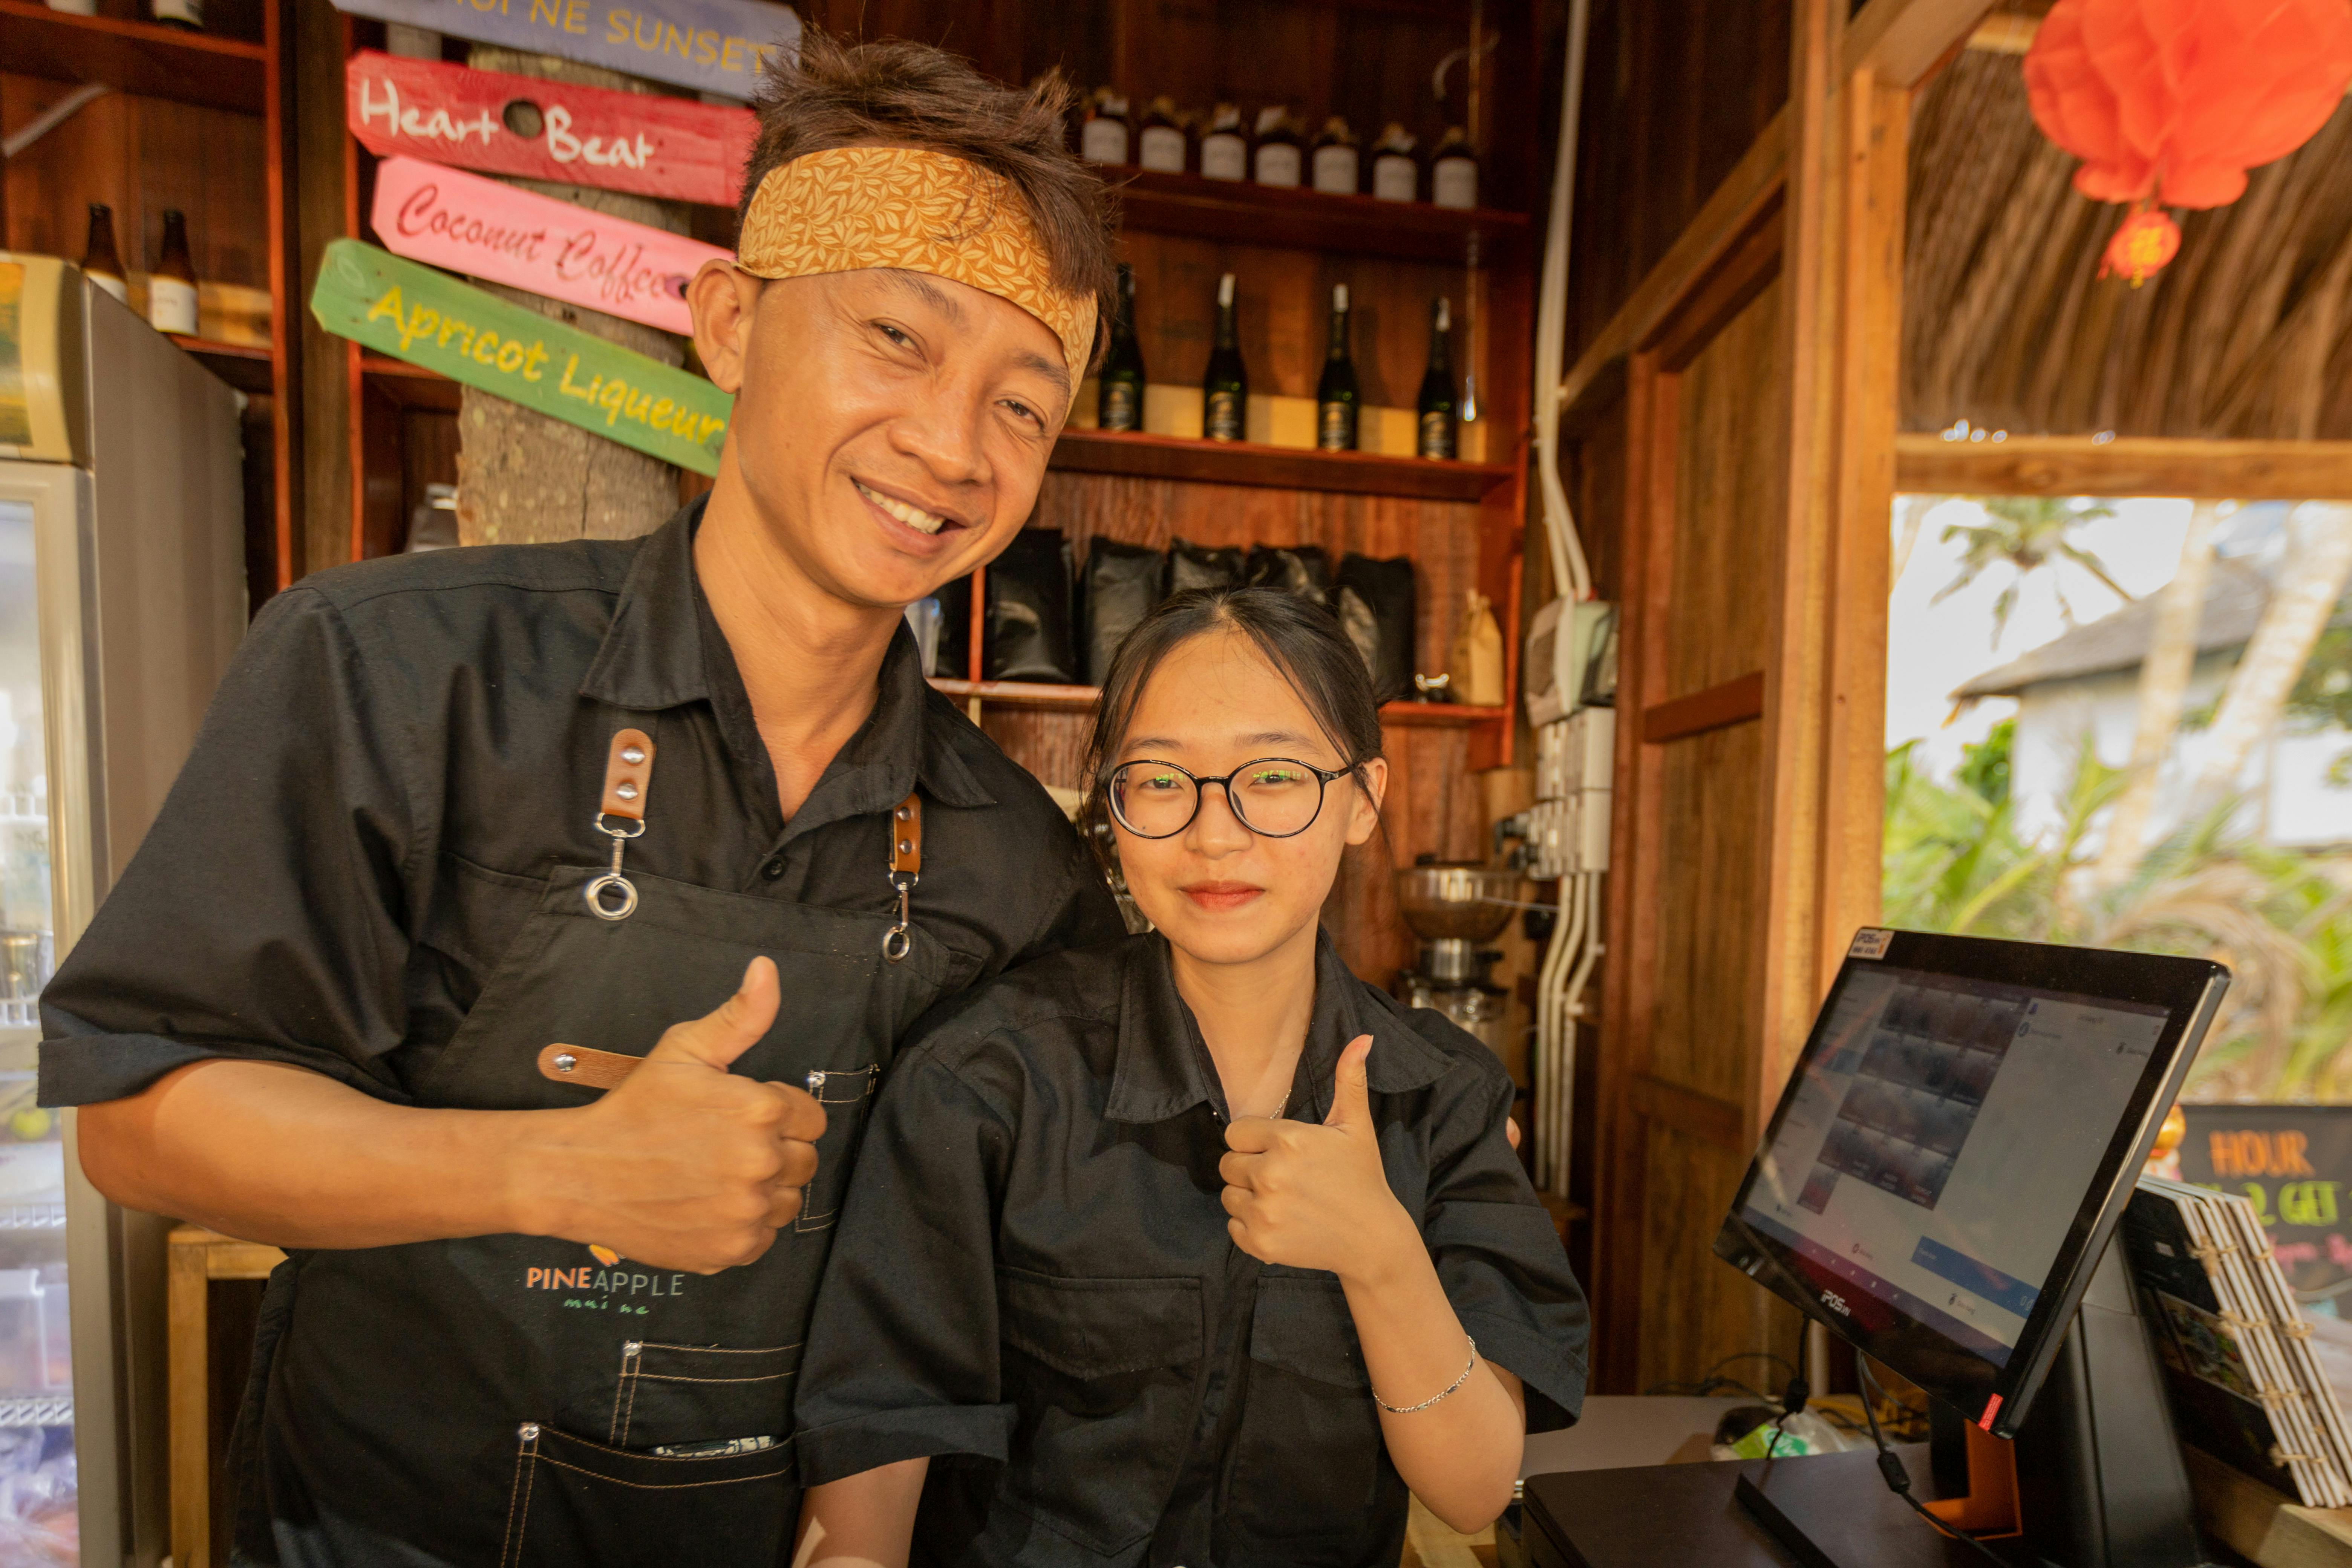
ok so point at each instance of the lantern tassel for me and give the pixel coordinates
(2138, 250)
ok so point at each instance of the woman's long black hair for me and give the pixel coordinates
(1300, 639)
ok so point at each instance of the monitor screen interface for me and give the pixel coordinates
(1915, 1164)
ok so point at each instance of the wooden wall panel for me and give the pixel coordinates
(1690, 1298)
(1440, 536)
(1730, 498)
(1703, 1028)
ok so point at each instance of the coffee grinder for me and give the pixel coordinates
(1455, 908)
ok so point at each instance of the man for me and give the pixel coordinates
(466, 833)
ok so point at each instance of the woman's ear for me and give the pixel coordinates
(1372, 787)
(722, 297)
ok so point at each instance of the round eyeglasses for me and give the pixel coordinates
(1274, 797)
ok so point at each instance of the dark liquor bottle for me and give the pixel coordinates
(1437, 406)
(1224, 146)
(1102, 138)
(1453, 171)
(100, 260)
(1396, 173)
(1336, 401)
(1224, 391)
(1335, 164)
(1280, 149)
(1119, 385)
(1161, 144)
(171, 287)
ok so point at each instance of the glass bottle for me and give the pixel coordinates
(1119, 402)
(187, 14)
(171, 287)
(1337, 166)
(1224, 390)
(1160, 145)
(1437, 406)
(1336, 401)
(1279, 153)
(100, 260)
(1103, 138)
(1396, 173)
(1226, 149)
(1453, 171)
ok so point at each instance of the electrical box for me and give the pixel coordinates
(1576, 762)
(1570, 661)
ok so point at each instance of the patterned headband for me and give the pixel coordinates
(849, 208)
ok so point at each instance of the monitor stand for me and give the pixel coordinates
(2100, 1482)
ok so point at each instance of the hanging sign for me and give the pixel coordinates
(671, 148)
(430, 319)
(2294, 1164)
(710, 46)
(488, 230)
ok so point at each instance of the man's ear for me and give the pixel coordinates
(1372, 787)
(723, 297)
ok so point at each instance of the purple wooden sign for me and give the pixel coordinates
(711, 46)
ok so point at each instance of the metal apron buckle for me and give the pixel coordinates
(628, 777)
(906, 870)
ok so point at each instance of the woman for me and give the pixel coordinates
(1190, 1248)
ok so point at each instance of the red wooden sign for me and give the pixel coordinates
(667, 147)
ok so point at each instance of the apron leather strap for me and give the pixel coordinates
(588, 1068)
(907, 838)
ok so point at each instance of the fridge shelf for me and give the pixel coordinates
(36, 1410)
(19, 1013)
(18, 1218)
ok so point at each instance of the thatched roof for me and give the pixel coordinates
(2235, 595)
(2006, 324)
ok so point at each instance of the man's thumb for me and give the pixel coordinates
(1351, 1104)
(737, 1024)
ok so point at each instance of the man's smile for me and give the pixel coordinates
(907, 511)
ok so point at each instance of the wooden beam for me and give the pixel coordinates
(1735, 701)
(2126, 466)
(1900, 42)
(2005, 33)
(1748, 194)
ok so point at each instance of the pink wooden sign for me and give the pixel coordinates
(483, 230)
(672, 148)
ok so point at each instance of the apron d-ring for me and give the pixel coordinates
(628, 776)
(906, 870)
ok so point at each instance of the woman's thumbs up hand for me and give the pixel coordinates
(1305, 1196)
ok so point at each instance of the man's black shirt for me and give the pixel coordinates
(1032, 1281)
(404, 749)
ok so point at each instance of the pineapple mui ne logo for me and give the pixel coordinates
(605, 1285)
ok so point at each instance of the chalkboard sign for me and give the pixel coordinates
(2294, 1164)
(711, 46)
(430, 319)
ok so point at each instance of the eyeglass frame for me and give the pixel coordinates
(1323, 777)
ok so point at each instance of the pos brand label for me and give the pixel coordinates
(488, 230)
(670, 148)
(429, 319)
(711, 46)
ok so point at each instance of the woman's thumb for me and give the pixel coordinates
(1352, 1102)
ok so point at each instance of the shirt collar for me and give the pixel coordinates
(664, 649)
(1163, 1068)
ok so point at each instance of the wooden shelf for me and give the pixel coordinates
(1274, 468)
(1081, 699)
(242, 365)
(411, 385)
(1247, 214)
(141, 58)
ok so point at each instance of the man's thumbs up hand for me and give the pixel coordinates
(1315, 1197)
(686, 1165)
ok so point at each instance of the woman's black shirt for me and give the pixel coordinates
(1032, 1275)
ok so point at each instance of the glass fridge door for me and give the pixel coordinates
(36, 1438)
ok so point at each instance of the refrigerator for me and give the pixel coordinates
(122, 597)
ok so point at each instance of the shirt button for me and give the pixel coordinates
(773, 869)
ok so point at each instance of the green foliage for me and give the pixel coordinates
(1955, 861)
(1984, 767)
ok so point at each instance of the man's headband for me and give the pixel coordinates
(846, 209)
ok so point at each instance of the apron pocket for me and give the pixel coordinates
(846, 1097)
(1316, 1472)
(576, 1502)
(669, 1394)
(1103, 1373)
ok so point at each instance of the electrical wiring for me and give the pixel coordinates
(1898, 1479)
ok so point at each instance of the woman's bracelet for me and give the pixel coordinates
(1408, 1409)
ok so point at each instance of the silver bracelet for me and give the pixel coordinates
(1408, 1409)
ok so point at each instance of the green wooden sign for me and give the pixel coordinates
(430, 319)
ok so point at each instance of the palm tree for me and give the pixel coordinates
(2028, 535)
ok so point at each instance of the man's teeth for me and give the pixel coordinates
(914, 517)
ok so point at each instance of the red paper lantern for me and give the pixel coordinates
(2146, 242)
(2176, 100)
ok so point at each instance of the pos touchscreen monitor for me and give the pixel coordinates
(1955, 1144)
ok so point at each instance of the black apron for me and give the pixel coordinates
(522, 1400)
